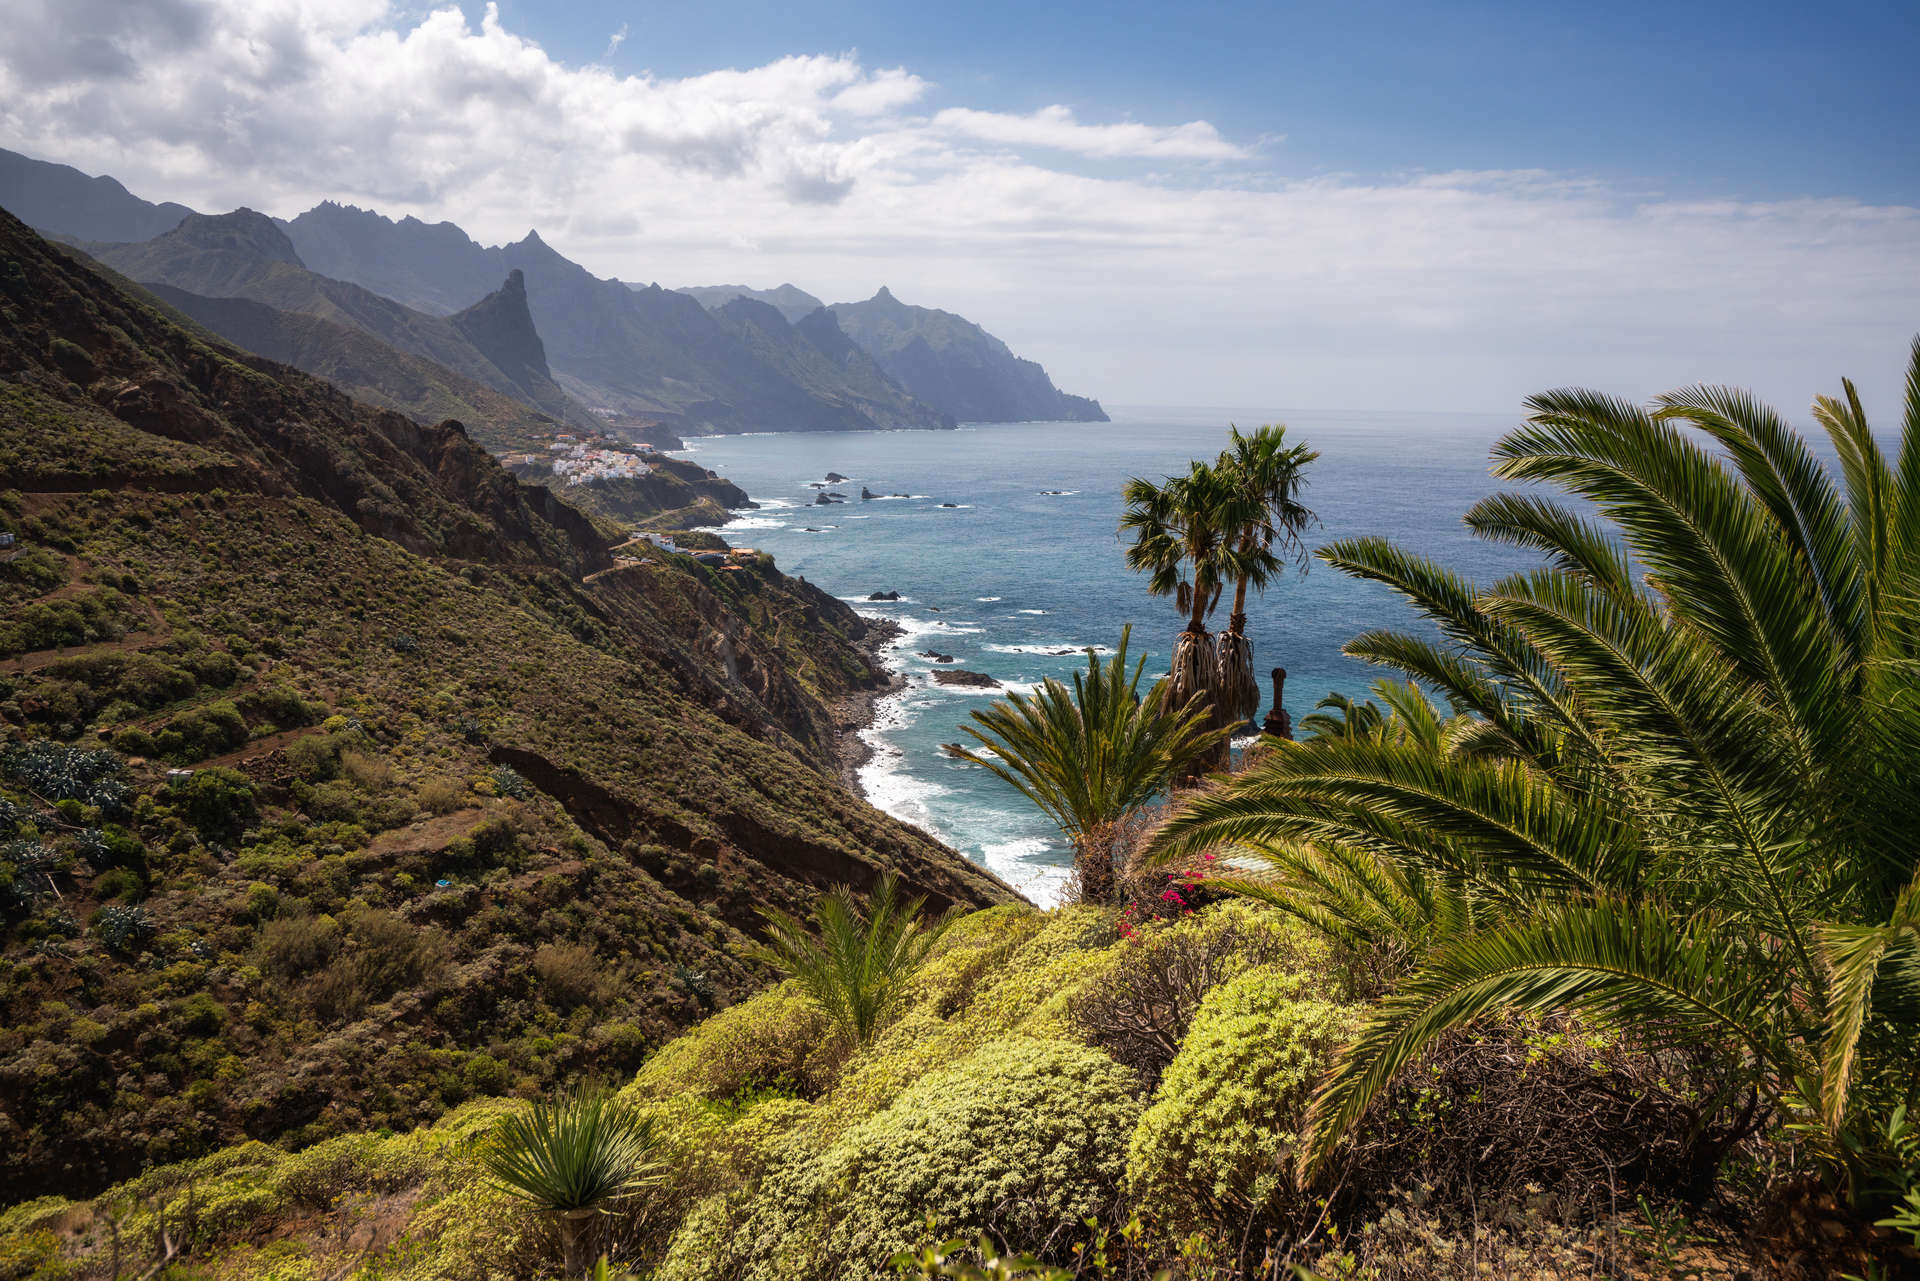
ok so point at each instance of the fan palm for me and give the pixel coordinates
(1692, 806)
(1187, 539)
(854, 963)
(574, 1157)
(1091, 755)
(1270, 474)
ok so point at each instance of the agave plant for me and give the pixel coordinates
(1091, 755)
(854, 963)
(1689, 799)
(574, 1157)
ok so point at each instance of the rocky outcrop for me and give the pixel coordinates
(962, 677)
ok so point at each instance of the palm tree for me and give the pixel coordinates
(1691, 804)
(854, 964)
(573, 1158)
(1091, 755)
(1187, 537)
(1270, 474)
(1383, 912)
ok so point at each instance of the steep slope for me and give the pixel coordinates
(60, 200)
(245, 255)
(501, 327)
(815, 355)
(475, 806)
(367, 369)
(792, 302)
(949, 361)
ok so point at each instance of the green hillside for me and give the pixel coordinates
(473, 806)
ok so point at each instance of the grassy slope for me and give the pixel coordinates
(366, 617)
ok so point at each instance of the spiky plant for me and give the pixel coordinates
(574, 1157)
(1270, 475)
(1693, 804)
(1385, 912)
(1091, 755)
(854, 963)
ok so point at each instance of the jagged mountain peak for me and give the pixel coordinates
(501, 326)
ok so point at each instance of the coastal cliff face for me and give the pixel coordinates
(949, 361)
(470, 806)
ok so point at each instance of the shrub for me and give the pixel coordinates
(117, 883)
(441, 796)
(1218, 1137)
(570, 974)
(1140, 1011)
(314, 758)
(298, 945)
(352, 1163)
(219, 803)
(367, 772)
(278, 705)
(1022, 1140)
(775, 1039)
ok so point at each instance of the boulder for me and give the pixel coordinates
(972, 680)
(883, 596)
(835, 478)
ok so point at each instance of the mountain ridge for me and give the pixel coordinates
(245, 254)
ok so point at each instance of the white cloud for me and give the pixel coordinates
(1184, 270)
(614, 42)
(1055, 128)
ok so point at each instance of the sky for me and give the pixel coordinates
(1380, 204)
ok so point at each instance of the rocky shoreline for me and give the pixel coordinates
(856, 711)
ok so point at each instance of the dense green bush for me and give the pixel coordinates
(218, 802)
(1022, 1139)
(777, 1039)
(1218, 1137)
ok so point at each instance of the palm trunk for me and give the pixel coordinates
(1236, 689)
(1093, 864)
(573, 1243)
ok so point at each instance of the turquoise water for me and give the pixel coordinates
(1011, 573)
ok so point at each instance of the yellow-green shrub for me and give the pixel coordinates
(1017, 1139)
(352, 1163)
(1219, 1134)
(777, 1038)
(973, 947)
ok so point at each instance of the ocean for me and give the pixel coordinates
(1027, 562)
